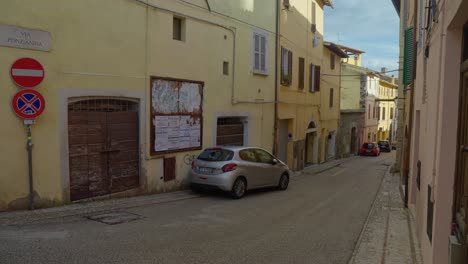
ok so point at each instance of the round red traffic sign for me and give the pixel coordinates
(28, 104)
(27, 72)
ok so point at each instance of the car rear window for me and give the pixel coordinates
(216, 154)
(368, 145)
(383, 143)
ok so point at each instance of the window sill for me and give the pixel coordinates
(260, 73)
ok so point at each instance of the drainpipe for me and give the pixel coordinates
(208, 5)
(277, 36)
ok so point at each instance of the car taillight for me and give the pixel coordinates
(193, 164)
(229, 167)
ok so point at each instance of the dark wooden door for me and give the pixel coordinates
(122, 152)
(103, 151)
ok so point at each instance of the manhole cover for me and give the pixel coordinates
(115, 218)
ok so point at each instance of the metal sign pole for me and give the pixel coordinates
(29, 148)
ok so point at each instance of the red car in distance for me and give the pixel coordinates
(369, 149)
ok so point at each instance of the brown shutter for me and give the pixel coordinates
(290, 58)
(311, 78)
(282, 63)
(301, 73)
(317, 78)
(331, 97)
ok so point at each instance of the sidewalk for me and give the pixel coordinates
(57, 214)
(388, 236)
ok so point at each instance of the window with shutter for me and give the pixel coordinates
(311, 78)
(408, 62)
(301, 73)
(314, 84)
(331, 97)
(314, 17)
(383, 114)
(178, 28)
(286, 67)
(317, 79)
(259, 53)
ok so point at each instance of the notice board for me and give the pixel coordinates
(176, 115)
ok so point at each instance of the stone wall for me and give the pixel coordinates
(348, 120)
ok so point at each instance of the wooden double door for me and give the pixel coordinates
(103, 147)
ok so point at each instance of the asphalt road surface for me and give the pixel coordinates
(317, 220)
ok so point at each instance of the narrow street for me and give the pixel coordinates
(317, 220)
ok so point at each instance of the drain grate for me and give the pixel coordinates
(115, 218)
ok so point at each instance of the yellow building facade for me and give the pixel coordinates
(147, 82)
(388, 91)
(300, 135)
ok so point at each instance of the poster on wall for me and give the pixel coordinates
(176, 115)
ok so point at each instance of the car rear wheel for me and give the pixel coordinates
(283, 182)
(238, 188)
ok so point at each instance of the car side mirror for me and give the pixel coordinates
(274, 162)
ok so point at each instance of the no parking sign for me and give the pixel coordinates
(28, 104)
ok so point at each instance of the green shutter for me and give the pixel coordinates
(408, 57)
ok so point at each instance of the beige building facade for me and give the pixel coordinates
(133, 90)
(301, 137)
(388, 92)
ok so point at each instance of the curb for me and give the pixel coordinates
(326, 168)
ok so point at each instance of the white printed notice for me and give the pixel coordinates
(176, 132)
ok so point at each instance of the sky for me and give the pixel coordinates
(368, 25)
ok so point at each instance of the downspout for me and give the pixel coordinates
(440, 84)
(275, 121)
(208, 5)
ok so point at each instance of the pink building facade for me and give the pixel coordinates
(435, 133)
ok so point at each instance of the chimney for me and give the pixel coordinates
(384, 70)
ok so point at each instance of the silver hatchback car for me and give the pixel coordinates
(238, 169)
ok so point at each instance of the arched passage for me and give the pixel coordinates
(312, 143)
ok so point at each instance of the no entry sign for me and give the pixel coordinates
(27, 72)
(28, 104)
